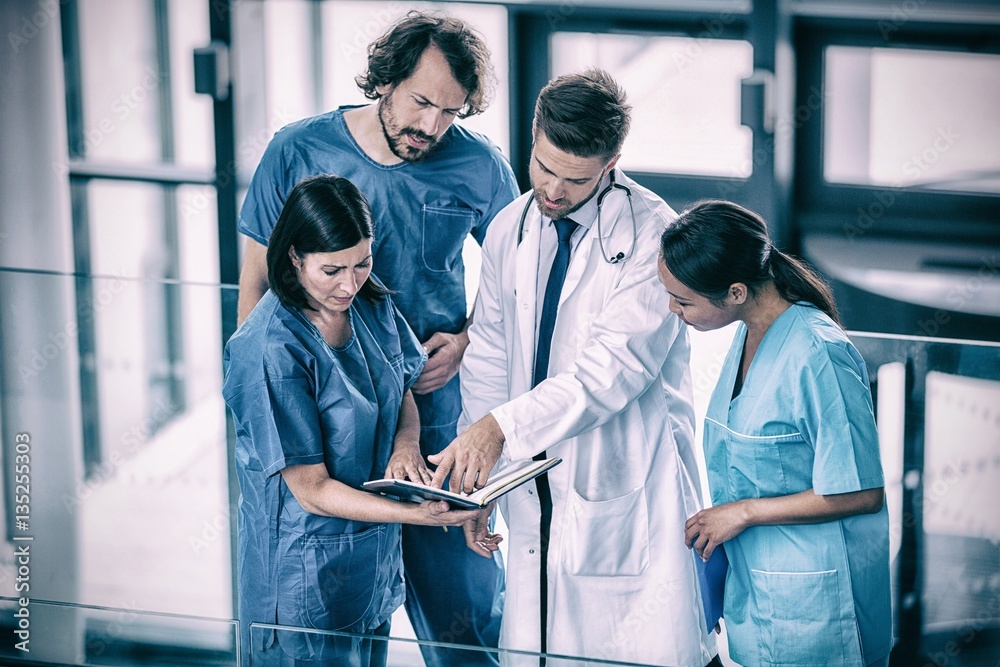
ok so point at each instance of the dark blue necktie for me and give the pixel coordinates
(553, 288)
(550, 304)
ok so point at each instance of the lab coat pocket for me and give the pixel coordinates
(443, 236)
(800, 618)
(607, 538)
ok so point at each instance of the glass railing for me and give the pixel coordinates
(340, 648)
(111, 386)
(45, 632)
(938, 404)
(115, 466)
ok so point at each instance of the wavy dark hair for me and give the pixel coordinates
(585, 114)
(716, 243)
(393, 57)
(323, 213)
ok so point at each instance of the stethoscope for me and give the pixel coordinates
(613, 185)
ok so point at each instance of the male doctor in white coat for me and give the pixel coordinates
(575, 354)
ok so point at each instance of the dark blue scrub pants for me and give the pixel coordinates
(450, 595)
(453, 595)
(343, 651)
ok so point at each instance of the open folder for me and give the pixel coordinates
(508, 479)
(712, 581)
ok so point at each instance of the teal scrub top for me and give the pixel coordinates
(296, 400)
(801, 595)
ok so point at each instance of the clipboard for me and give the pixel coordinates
(712, 582)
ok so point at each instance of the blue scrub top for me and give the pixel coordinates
(423, 213)
(801, 594)
(297, 401)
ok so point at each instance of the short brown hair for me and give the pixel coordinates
(585, 114)
(393, 57)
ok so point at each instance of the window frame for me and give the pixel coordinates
(827, 207)
(531, 29)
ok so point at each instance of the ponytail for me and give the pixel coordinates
(795, 281)
(716, 243)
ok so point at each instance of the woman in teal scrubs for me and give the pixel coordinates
(318, 380)
(791, 450)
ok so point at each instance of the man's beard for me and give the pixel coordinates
(396, 138)
(560, 214)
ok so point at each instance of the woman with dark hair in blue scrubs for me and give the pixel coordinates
(791, 450)
(318, 379)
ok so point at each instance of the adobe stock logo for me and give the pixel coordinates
(913, 169)
(30, 26)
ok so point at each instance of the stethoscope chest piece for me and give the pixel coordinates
(615, 185)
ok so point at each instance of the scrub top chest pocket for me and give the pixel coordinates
(759, 466)
(443, 234)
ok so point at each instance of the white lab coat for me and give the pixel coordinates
(617, 409)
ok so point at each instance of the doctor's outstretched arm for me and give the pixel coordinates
(470, 457)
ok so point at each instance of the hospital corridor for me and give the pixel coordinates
(254, 253)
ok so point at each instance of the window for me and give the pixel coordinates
(685, 97)
(912, 118)
(906, 143)
(147, 301)
(138, 104)
(314, 53)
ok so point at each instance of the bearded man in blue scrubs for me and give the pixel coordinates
(430, 184)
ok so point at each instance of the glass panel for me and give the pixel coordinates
(194, 139)
(685, 96)
(961, 469)
(953, 390)
(121, 80)
(92, 635)
(149, 337)
(289, 68)
(164, 471)
(337, 646)
(351, 25)
(197, 234)
(912, 118)
(149, 527)
(125, 115)
(127, 235)
(890, 412)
